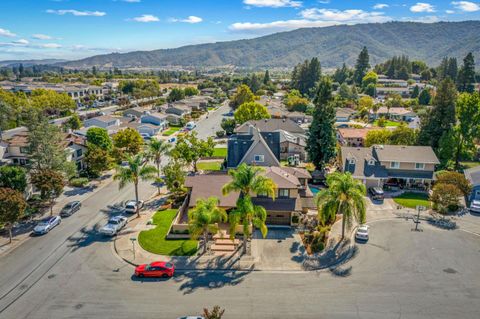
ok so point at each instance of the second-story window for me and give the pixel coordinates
(283, 192)
(259, 158)
(394, 165)
(419, 166)
(79, 153)
(24, 150)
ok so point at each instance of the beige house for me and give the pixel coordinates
(391, 165)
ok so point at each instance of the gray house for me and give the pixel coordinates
(155, 118)
(178, 109)
(473, 176)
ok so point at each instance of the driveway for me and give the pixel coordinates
(282, 249)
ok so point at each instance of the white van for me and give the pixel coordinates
(190, 126)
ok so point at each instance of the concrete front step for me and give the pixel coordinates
(226, 242)
(216, 248)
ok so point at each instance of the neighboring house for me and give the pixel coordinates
(3, 153)
(292, 144)
(299, 117)
(271, 125)
(394, 113)
(17, 150)
(383, 92)
(178, 109)
(352, 136)
(403, 166)
(104, 121)
(473, 176)
(174, 119)
(293, 197)
(155, 118)
(344, 115)
(76, 147)
(135, 112)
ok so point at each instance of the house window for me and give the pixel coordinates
(79, 153)
(419, 166)
(259, 158)
(283, 192)
(262, 194)
(394, 165)
(24, 150)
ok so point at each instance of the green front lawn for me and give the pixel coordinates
(467, 165)
(220, 152)
(154, 240)
(209, 166)
(171, 130)
(411, 200)
(387, 123)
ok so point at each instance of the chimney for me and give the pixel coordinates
(250, 129)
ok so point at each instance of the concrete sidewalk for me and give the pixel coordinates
(22, 232)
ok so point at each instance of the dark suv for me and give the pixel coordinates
(376, 193)
(70, 208)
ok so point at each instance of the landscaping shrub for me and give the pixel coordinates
(220, 134)
(295, 219)
(79, 182)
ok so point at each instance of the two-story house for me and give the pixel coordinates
(352, 136)
(395, 165)
(293, 197)
(155, 118)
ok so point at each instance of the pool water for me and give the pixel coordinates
(314, 189)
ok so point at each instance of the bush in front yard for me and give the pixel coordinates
(79, 182)
(220, 134)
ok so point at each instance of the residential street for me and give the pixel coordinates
(209, 126)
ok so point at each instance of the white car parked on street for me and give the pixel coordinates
(114, 225)
(362, 232)
(475, 206)
(131, 206)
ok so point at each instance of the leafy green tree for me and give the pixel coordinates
(342, 74)
(403, 135)
(445, 197)
(13, 177)
(321, 144)
(306, 75)
(136, 170)
(247, 180)
(190, 149)
(242, 96)
(204, 218)
(174, 176)
(254, 83)
(74, 122)
(12, 207)
(99, 137)
(295, 102)
(441, 118)
(176, 94)
(251, 111)
(97, 160)
(128, 142)
(228, 125)
(454, 178)
(190, 91)
(344, 195)
(266, 78)
(50, 183)
(466, 76)
(362, 66)
(370, 78)
(156, 150)
(345, 92)
(426, 75)
(424, 97)
(415, 92)
(378, 137)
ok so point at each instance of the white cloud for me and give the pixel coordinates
(50, 46)
(466, 6)
(422, 7)
(347, 16)
(7, 33)
(380, 6)
(146, 18)
(279, 25)
(40, 36)
(77, 13)
(273, 3)
(449, 11)
(189, 19)
(21, 42)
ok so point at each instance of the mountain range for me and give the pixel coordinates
(333, 45)
(25, 63)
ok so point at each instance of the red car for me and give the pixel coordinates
(155, 269)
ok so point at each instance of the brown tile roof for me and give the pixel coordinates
(354, 132)
(18, 140)
(208, 185)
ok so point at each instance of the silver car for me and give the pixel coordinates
(46, 225)
(131, 206)
(114, 225)
(362, 232)
(475, 206)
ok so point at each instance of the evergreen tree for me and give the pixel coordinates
(321, 145)
(266, 78)
(254, 83)
(416, 92)
(441, 118)
(424, 97)
(306, 75)
(466, 76)
(341, 75)
(362, 66)
(452, 70)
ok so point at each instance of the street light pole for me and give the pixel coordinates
(133, 239)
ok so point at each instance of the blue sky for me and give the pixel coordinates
(78, 28)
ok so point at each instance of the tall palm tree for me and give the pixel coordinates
(156, 149)
(135, 171)
(344, 195)
(203, 218)
(247, 180)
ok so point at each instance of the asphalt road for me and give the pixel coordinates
(209, 126)
(397, 274)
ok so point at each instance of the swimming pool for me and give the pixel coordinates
(314, 189)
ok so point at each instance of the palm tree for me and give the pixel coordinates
(345, 195)
(246, 180)
(135, 171)
(156, 149)
(203, 218)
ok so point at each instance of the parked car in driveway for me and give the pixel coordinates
(475, 206)
(46, 225)
(70, 209)
(362, 232)
(155, 269)
(131, 206)
(114, 225)
(172, 140)
(376, 193)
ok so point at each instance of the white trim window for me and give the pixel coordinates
(371, 162)
(283, 193)
(419, 166)
(395, 165)
(259, 158)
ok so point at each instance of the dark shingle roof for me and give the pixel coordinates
(406, 154)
